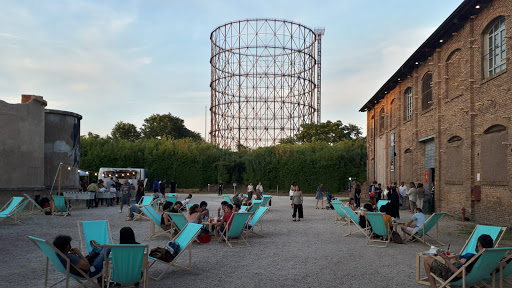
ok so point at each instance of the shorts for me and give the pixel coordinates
(441, 270)
(412, 230)
(125, 199)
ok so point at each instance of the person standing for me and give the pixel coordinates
(221, 187)
(297, 201)
(250, 192)
(162, 187)
(421, 195)
(140, 191)
(357, 194)
(93, 187)
(378, 192)
(259, 191)
(403, 195)
(371, 191)
(126, 190)
(156, 185)
(173, 186)
(413, 197)
(320, 195)
(394, 198)
(292, 189)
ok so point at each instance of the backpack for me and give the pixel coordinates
(173, 247)
(161, 254)
(396, 238)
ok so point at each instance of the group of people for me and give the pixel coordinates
(160, 186)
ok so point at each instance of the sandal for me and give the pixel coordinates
(295, 220)
(95, 244)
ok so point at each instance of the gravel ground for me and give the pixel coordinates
(310, 253)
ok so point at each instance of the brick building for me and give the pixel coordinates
(446, 115)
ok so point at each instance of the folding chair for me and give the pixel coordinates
(34, 205)
(57, 258)
(502, 273)
(184, 239)
(379, 228)
(340, 212)
(178, 220)
(128, 260)
(227, 199)
(421, 233)
(355, 220)
(145, 200)
(493, 231)
(266, 200)
(255, 206)
(155, 222)
(256, 220)
(485, 263)
(59, 206)
(171, 197)
(98, 231)
(12, 208)
(236, 229)
(381, 203)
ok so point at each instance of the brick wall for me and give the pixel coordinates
(465, 104)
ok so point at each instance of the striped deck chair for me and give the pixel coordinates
(376, 220)
(355, 220)
(340, 213)
(266, 200)
(255, 206)
(421, 233)
(98, 231)
(485, 263)
(493, 231)
(12, 208)
(178, 220)
(128, 260)
(184, 238)
(59, 206)
(227, 199)
(155, 222)
(256, 220)
(34, 205)
(235, 232)
(52, 255)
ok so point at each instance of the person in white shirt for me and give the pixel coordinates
(403, 195)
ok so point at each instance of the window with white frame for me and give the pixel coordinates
(408, 103)
(495, 47)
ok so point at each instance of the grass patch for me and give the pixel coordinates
(466, 230)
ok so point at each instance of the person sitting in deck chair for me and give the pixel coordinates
(417, 220)
(226, 219)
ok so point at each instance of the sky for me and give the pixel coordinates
(114, 61)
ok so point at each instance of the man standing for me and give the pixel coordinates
(156, 185)
(110, 182)
(173, 186)
(250, 192)
(221, 186)
(403, 195)
(126, 191)
(162, 187)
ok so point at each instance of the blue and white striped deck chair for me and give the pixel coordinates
(128, 260)
(256, 220)
(184, 238)
(52, 255)
(98, 231)
(12, 208)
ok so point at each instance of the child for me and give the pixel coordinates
(113, 193)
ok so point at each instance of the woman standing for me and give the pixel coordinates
(393, 195)
(297, 204)
(413, 197)
(421, 195)
(320, 195)
(357, 195)
(140, 191)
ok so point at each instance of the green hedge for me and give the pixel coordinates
(194, 164)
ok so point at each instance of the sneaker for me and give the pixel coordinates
(120, 211)
(95, 244)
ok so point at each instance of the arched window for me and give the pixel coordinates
(454, 73)
(407, 166)
(493, 156)
(408, 103)
(495, 48)
(426, 91)
(382, 120)
(454, 157)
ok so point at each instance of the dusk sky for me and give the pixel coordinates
(116, 61)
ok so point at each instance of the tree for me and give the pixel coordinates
(125, 131)
(330, 132)
(159, 126)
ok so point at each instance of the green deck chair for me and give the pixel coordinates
(178, 219)
(12, 208)
(493, 231)
(507, 271)
(59, 208)
(256, 220)
(355, 220)
(171, 197)
(340, 213)
(227, 199)
(234, 234)
(266, 200)
(376, 220)
(243, 207)
(485, 263)
(155, 222)
(98, 231)
(422, 233)
(381, 203)
(255, 206)
(184, 238)
(34, 204)
(128, 260)
(52, 255)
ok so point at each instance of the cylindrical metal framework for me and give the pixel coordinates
(263, 81)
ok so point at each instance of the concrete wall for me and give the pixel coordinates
(22, 144)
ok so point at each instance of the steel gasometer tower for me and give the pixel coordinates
(262, 83)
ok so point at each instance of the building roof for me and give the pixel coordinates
(444, 32)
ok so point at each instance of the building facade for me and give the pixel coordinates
(445, 116)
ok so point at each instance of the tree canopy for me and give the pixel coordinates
(158, 126)
(329, 132)
(125, 131)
